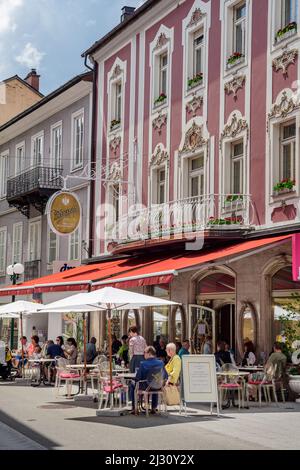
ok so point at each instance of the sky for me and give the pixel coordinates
(50, 35)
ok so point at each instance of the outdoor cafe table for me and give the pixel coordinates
(42, 378)
(251, 369)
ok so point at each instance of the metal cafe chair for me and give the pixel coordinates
(145, 389)
(63, 374)
(230, 382)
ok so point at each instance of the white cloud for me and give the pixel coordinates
(8, 8)
(30, 57)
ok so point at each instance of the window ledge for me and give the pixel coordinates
(117, 127)
(159, 106)
(277, 195)
(284, 37)
(192, 89)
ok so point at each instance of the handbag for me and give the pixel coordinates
(171, 395)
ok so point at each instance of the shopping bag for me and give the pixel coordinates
(171, 395)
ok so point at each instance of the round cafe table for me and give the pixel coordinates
(42, 379)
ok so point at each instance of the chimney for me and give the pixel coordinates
(33, 79)
(126, 13)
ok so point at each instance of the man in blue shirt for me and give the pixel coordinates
(151, 372)
(185, 348)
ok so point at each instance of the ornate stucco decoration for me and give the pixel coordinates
(161, 41)
(193, 139)
(159, 157)
(196, 17)
(282, 62)
(115, 173)
(235, 127)
(115, 143)
(195, 103)
(234, 85)
(159, 121)
(284, 107)
(117, 71)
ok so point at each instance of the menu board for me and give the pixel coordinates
(199, 378)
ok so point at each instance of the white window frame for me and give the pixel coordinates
(197, 173)
(49, 265)
(19, 258)
(3, 256)
(277, 24)
(4, 172)
(154, 62)
(198, 47)
(77, 231)
(290, 141)
(39, 135)
(38, 223)
(229, 33)
(118, 98)
(54, 127)
(78, 114)
(163, 73)
(233, 159)
(161, 184)
(236, 24)
(112, 83)
(294, 12)
(19, 169)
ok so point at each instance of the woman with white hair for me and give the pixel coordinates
(173, 368)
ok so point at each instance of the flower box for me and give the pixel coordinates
(287, 31)
(195, 81)
(114, 124)
(233, 198)
(160, 100)
(283, 187)
(234, 59)
(228, 222)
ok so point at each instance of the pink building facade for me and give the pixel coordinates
(198, 118)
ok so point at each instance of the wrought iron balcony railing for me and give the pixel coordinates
(35, 178)
(193, 214)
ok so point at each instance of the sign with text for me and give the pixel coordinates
(296, 257)
(64, 213)
(62, 266)
(199, 378)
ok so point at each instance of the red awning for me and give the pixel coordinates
(135, 271)
(171, 266)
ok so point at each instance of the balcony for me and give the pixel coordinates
(33, 187)
(213, 215)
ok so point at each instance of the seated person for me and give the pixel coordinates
(91, 352)
(222, 356)
(184, 349)
(161, 352)
(17, 361)
(36, 355)
(173, 367)
(147, 370)
(278, 361)
(249, 356)
(5, 369)
(70, 351)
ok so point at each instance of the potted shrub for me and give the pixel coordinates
(196, 80)
(288, 30)
(114, 123)
(284, 186)
(235, 58)
(161, 99)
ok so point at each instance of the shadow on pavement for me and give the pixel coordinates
(28, 432)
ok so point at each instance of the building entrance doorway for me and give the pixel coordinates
(225, 324)
(201, 324)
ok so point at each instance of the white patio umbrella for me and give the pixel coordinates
(17, 310)
(108, 298)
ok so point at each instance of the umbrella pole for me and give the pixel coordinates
(22, 350)
(110, 355)
(84, 352)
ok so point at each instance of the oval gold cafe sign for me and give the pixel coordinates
(64, 213)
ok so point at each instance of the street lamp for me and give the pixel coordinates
(14, 271)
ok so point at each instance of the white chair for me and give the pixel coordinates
(67, 375)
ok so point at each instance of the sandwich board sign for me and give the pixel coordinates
(199, 380)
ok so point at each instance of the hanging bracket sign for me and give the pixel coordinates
(63, 213)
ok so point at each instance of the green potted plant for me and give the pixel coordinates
(160, 99)
(196, 80)
(234, 58)
(284, 186)
(288, 30)
(114, 123)
(233, 197)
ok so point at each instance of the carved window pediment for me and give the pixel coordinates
(197, 16)
(234, 128)
(159, 121)
(284, 107)
(159, 157)
(115, 143)
(234, 85)
(194, 104)
(284, 60)
(116, 72)
(161, 41)
(193, 139)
